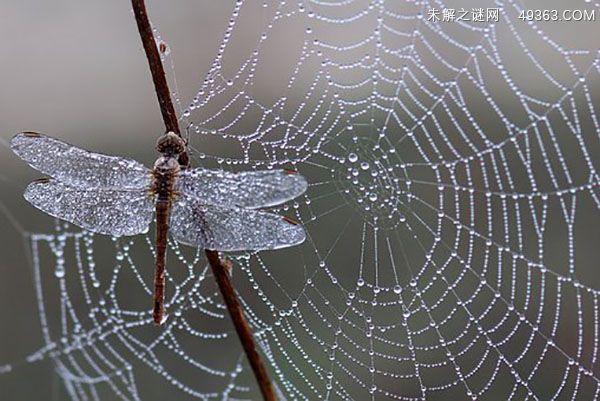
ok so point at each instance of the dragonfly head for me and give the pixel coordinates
(170, 145)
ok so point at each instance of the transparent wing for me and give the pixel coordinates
(112, 212)
(249, 189)
(231, 229)
(78, 167)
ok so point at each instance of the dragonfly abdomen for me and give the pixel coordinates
(165, 171)
(162, 231)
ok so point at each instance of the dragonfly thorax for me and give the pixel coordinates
(164, 165)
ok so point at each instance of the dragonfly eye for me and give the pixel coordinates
(170, 144)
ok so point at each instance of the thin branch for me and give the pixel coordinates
(220, 268)
(158, 73)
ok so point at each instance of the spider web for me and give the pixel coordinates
(451, 211)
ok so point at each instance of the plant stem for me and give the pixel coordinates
(220, 269)
(158, 73)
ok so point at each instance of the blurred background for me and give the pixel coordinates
(76, 71)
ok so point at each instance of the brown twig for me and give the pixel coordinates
(158, 73)
(220, 269)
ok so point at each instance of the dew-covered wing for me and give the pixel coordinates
(103, 211)
(78, 167)
(249, 189)
(230, 228)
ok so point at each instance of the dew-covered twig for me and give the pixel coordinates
(159, 78)
(220, 268)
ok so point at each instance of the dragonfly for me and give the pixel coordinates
(203, 208)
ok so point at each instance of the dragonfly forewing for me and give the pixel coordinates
(249, 189)
(78, 167)
(103, 211)
(231, 229)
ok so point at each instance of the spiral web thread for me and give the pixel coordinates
(452, 194)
